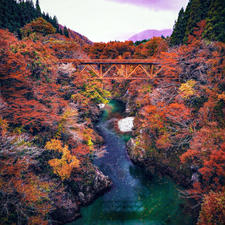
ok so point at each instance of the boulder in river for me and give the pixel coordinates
(126, 124)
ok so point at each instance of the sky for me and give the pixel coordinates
(109, 20)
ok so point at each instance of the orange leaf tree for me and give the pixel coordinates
(38, 25)
(28, 83)
(63, 166)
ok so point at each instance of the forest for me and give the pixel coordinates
(48, 111)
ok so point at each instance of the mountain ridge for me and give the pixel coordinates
(147, 34)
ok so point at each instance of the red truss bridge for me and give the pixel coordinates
(116, 69)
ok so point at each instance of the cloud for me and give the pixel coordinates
(156, 4)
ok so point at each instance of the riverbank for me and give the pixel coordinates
(153, 167)
(87, 183)
(79, 194)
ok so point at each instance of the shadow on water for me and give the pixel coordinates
(134, 199)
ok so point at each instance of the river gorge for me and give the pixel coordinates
(134, 199)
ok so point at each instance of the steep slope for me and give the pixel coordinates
(46, 136)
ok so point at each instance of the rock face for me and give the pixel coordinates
(78, 194)
(100, 183)
(137, 158)
(153, 166)
(67, 208)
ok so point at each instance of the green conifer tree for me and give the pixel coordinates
(194, 17)
(60, 31)
(215, 27)
(38, 8)
(179, 29)
(66, 32)
(55, 24)
(196, 11)
(16, 14)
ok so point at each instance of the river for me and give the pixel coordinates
(134, 198)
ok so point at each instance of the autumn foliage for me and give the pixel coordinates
(180, 120)
(47, 107)
(37, 110)
(63, 166)
(23, 64)
(127, 50)
(213, 209)
(38, 25)
(21, 190)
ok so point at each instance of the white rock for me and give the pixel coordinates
(126, 124)
(101, 106)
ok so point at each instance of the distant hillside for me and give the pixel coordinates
(81, 39)
(147, 34)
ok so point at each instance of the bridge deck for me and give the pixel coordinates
(113, 61)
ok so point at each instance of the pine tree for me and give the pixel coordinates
(205, 7)
(66, 32)
(38, 9)
(213, 11)
(60, 31)
(16, 14)
(194, 17)
(215, 28)
(3, 18)
(55, 23)
(179, 29)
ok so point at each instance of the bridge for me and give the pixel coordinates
(116, 69)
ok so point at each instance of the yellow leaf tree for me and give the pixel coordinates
(64, 166)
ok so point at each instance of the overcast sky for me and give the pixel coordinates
(105, 20)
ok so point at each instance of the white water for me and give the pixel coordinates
(126, 124)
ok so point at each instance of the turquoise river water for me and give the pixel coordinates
(134, 198)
